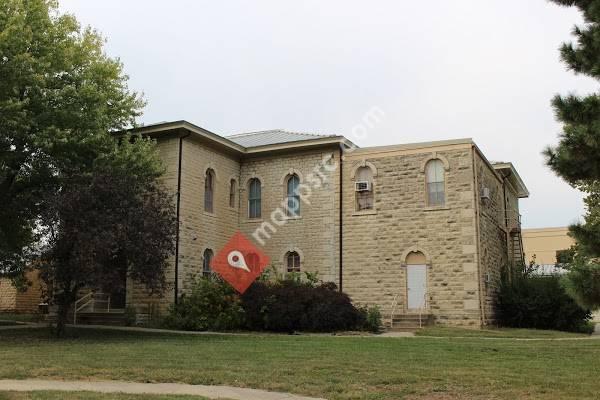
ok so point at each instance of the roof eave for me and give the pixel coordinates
(162, 128)
(300, 144)
(154, 130)
(522, 190)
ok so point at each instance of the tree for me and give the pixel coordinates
(577, 156)
(101, 226)
(60, 95)
(86, 201)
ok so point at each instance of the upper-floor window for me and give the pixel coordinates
(206, 259)
(292, 260)
(365, 197)
(293, 197)
(254, 198)
(232, 192)
(209, 188)
(436, 190)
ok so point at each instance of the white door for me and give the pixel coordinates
(416, 283)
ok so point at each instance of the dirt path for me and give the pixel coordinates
(211, 392)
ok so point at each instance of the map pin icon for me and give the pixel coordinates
(236, 260)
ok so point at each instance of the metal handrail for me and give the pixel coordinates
(514, 220)
(87, 300)
(425, 302)
(394, 305)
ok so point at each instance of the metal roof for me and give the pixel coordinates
(275, 136)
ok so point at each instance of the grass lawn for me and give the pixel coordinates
(440, 331)
(322, 366)
(20, 317)
(43, 395)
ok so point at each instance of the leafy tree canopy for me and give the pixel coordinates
(60, 95)
(576, 158)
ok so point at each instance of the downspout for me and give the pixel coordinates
(178, 208)
(478, 238)
(504, 178)
(341, 233)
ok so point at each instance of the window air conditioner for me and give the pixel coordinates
(485, 193)
(363, 186)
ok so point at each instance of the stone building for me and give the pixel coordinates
(414, 228)
(13, 300)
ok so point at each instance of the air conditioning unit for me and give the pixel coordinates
(488, 278)
(485, 193)
(363, 186)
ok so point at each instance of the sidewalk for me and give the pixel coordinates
(211, 392)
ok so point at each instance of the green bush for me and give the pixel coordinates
(539, 302)
(293, 304)
(372, 319)
(211, 305)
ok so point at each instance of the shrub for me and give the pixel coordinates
(295, 305)
(212, 305)
(372, 319)
(539, 302)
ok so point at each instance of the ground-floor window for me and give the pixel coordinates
(293, 261)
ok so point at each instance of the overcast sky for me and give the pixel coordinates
(484, 69)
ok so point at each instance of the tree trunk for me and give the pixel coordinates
(61, 319)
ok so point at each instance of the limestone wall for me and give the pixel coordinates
(8, 295)
(201, 230)
(492, 232)
(376, 243)
(315, 233)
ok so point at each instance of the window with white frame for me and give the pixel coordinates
(254, 198)
(292, 260)
(436, 186)
(365, 198)
(293, 197)
(209, 189)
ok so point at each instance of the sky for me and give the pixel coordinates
(481, 69)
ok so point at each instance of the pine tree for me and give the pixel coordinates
(576, 158)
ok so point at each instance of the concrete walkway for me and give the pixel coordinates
(211, 392)
(594, 336)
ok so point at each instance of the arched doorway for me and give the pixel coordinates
(416, 281)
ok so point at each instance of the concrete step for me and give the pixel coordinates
(409, 322)
(102, 318)
(403, 329)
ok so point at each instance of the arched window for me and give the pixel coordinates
(365, 198)
(292, 260)
(232, 192)
(209, 188)
(434, 174)
(254, 198)
(206, 259)
(293, 197)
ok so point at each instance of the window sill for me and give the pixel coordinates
(253, 220)
(209, 214)
(365, 212)
(292, 218)
(439, 208)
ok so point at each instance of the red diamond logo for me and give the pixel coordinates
(240, 262)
